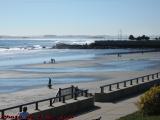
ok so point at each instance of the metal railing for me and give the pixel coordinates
(131, 82)
(68, 92)
(60, 98)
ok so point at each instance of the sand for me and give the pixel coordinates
(102, 77)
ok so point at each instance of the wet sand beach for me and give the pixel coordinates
(97, 77)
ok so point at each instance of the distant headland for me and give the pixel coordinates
(132, 42)
(111, 44)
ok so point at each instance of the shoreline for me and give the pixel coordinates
(96, 68)
(103, 78)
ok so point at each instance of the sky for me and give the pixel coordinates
(79, 17)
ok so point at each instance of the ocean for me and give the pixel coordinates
(15, 54)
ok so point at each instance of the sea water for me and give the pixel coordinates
(14, 54)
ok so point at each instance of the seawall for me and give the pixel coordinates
(64, 110)
(125, 92)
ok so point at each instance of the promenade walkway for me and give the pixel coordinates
(110, 111)
(114, 110)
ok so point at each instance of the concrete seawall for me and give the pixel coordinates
(64, 110)
(125, 92)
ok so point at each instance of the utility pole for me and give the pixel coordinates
(120, 34)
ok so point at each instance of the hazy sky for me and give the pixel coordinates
(39, 17)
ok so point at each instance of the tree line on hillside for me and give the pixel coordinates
(141, 38)
(157, 38)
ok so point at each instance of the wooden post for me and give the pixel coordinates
(110, 87)
(63, 99)
(102, 89)
(86, 93)
(76, 91)
(137, 80)
(75, 95)
(142, 79)
(36, 106)
(148, 77)
(125, 84)
(2, 114)
(131, 83)
(50, 102)
(20, 108)
(118, 86)
(72, 90)
(152, 76)
(59, 94)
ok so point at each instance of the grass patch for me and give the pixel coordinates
(139, 116)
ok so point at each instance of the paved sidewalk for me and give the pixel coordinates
(110, 111)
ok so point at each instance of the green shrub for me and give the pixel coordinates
(149, 103)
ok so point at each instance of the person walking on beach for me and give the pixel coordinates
(53, 60)
(24, 115)
(119, 55)
(50, 83)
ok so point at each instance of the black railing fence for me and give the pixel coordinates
(62, 95)
(127, 83)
